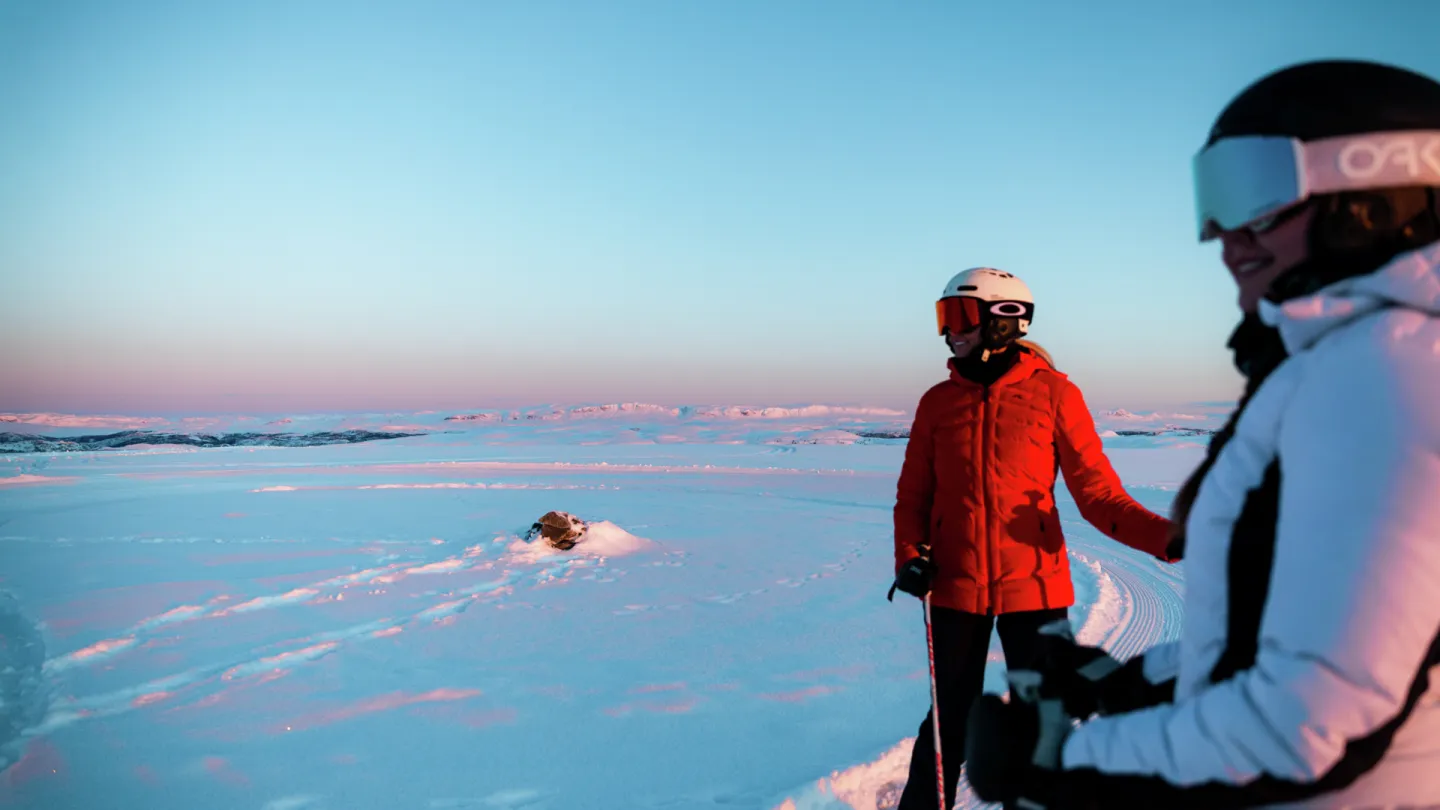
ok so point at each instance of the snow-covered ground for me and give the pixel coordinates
(360, 626)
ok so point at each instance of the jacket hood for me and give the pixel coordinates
(1409, 281)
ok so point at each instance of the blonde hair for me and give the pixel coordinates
(1035, 349)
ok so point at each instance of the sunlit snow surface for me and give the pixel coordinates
(361, 626)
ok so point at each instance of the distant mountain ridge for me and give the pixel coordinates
(18, 443)
(553, 413)
(592, 422)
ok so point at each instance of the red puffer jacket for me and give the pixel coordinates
(978, 485)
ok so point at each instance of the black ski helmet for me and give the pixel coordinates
(1329, 99)
(1354, 232)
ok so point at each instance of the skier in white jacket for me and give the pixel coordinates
(1307, 674)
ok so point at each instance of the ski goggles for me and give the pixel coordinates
(1244, 181)
(961, 314)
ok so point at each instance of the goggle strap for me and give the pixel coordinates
(1360, 162)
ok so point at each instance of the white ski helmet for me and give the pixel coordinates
(988, 284)
(1009, 296)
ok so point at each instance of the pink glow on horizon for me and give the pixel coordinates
(272, 377)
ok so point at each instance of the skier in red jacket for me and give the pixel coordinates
(976, 525)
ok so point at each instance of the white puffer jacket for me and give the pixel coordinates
(1352, 618)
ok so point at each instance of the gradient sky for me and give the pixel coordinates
(284, 206)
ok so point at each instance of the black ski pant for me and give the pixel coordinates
(962, 641)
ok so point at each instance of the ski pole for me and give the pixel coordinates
(934, 708)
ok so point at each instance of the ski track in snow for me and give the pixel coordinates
(159, 693)
(1153, 607)
(71, 710)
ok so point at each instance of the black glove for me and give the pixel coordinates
(1073, 673)
(1175, 549)
(1012, 750)
(914, 578)
(1088, 681)
(999, 744)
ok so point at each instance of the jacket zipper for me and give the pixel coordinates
(985, 500)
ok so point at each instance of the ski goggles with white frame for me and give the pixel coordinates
(962, 313)
(1242, 180)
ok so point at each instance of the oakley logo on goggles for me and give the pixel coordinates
(1239, 181)
(965, 313)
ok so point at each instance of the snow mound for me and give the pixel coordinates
(1166, 430)
(702, 412)
(556, 412)
(483, 416)
(1122, 414)
(624, 408)
(806, 412)
(871, 786)
(601, 539)
(76, 421)
(828, 437)
(1108, 610)
(605, 539)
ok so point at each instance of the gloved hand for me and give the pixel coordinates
(1012, 750)
(1073, 673)
(999, 744)
(915, 578)
(1088, 681)
(1175, 548)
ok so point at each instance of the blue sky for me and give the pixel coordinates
(270, 206)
